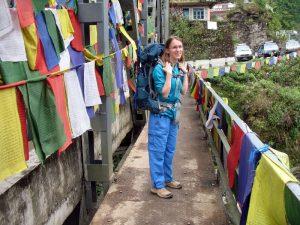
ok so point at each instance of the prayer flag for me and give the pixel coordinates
(12, 158)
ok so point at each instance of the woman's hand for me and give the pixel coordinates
(168, 68)
(182, 68)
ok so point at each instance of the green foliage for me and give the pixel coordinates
(199, 42)
(269, 102)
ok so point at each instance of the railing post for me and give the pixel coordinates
(96, 13)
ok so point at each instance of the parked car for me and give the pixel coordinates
(267, 49)
(243, 52)
(291, 46)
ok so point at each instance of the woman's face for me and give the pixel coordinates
(175, 50)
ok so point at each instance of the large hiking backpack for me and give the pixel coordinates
(145, 97)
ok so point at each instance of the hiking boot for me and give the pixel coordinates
(174, 184)
(162, 192)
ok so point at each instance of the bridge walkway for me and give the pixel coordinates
(129, 201)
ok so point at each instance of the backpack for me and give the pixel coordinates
(145, 97)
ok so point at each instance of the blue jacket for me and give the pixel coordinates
(159, 78)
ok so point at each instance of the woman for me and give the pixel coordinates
(170, 80)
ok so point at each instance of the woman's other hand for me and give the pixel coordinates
(168, 68)
(182, 68)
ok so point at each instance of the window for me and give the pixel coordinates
(186, 12)
(198, 13)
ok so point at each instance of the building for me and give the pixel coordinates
(192, 9)
(218, 11)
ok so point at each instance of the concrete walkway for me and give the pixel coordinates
(129, 201)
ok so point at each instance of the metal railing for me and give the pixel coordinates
(219, 144)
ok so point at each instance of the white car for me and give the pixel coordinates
(292, 46)
(243, 52)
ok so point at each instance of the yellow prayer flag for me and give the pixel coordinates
(215, 72)
(31, 44)
(52, 2)
(243, 68)
(12, 159)
(93, 34)
(65, 23)
(267, 61)
(270, 178)
(124, 32)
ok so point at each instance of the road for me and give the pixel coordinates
(215, 62)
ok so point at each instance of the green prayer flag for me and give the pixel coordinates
(292, 206)
(54, 33)
(107, 76)
(13, 72)
(39, 5)
(46, 126)
(210, 73)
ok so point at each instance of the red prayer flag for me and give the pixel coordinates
(131, 85)
(196, 95)
(234, 152)
(257, 65)
(22, 116)
(25, 12)
(101, 89)
(233, 68)
(76, 43)
(204, 74)
(57, 85)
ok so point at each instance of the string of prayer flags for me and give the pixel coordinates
(12, 158)
(48, 47)
(25, 12)
(79, 118)
(91, 94)
(6, 24)
(54, 33)
(76, 43)
(12, 42)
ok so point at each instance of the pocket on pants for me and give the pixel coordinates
(157, 143)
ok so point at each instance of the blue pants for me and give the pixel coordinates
(162, 136)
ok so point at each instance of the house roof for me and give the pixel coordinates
(189, 3)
